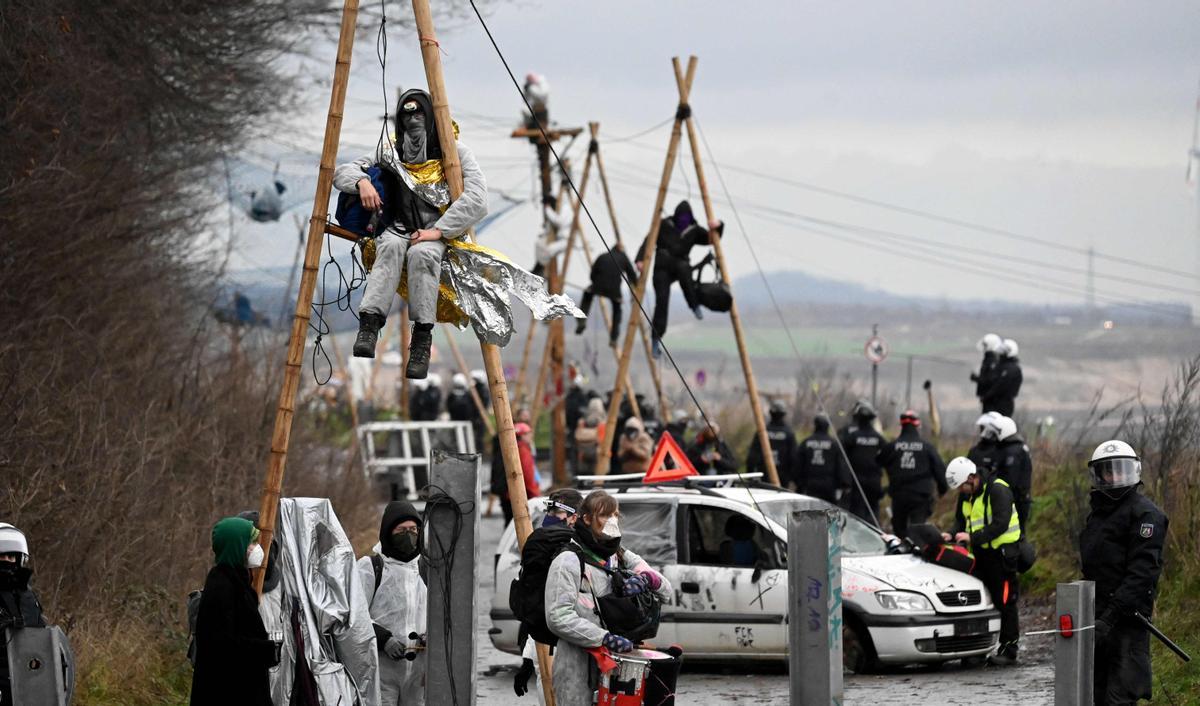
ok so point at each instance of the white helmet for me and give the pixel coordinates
(1005, 427)
(959, 470)
(1010, 348)
(1115, 465)
(990, 343)
(479, 376)
(12, 541)
(986, 424)
(421, 383)
(435, 380)
(458, 380)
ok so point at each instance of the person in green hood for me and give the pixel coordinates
(233, 652)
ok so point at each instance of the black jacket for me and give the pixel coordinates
(460, 406)
(19, 607)
(983, 454)
(1014, 464)
(862, 444)
(1001, 499)
(913, 465)
(607, 270)
(675, 243)
(783, 450)
(1121, 549)
(233, 653)
(425, 405)
(820, 469)
(1001, 393)
(987, 373)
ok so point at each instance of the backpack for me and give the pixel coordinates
(351, 215)
(193, 612)
(527, 593)
(714, 295)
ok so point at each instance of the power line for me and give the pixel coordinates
(949, 220)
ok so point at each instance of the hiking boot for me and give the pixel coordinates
(580, 326)
(368, 334)
(1003, 658)
(418, 352)
(698, 312)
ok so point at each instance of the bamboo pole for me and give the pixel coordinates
(491, 354)
(405, 412)
(522, 376)
(462, 367)
(281, 433)
(663, 408)
(755, 406)
(604, 455)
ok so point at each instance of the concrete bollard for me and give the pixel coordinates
(1074, 655)
(453, 551)
(815, 607)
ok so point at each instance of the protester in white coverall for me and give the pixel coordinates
(571, 612)
(397, 604)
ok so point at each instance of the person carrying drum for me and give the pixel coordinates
(578, 578)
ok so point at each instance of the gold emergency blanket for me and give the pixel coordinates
(475, 287)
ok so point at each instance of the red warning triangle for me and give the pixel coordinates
(681, 466)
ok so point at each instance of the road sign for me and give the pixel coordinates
(876, 349)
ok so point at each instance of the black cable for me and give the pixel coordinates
(439, 555)
(949, 220)
(583, 204)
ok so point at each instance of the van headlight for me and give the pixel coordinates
(903, 602)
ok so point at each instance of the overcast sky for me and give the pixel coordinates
(1066, 122)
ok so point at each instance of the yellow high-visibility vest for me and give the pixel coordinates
(978, 512)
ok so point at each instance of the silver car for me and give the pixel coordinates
(725, 552)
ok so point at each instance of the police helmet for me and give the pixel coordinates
(863, 410)
(1115, 465)
(1005, 427)
(12, 541)
(990, 343)
(958, 471)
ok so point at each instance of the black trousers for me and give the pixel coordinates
(669, 269)
(1122, 673)
(859, 507)
(909, 510)
(1002, 584)
(1023, 503)
(586, 305)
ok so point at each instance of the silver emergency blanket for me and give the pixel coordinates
(482, 280)
(320, 589)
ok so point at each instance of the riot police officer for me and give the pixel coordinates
(913, 467)
(1121, 549)
(783, 446)
(982, 453)
(820, 469)
(19, 606)
(862, 443)
(1014, 464)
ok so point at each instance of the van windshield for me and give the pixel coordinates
(858, 538)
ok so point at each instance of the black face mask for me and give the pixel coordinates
(406, 547)
(13, 576)
(604, 547)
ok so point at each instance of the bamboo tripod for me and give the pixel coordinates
(683, 117)
(760, 421)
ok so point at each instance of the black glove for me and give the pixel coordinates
(974, 377)
(521, 680)
(1103, 627)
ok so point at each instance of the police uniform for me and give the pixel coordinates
(1121, 549)
(783, 451)
(913, 467)
(989, 517)
(820, 469)
(1014, 464)
(862, 444)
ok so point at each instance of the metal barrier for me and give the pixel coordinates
(417, 441)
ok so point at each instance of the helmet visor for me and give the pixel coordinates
(1112, 473)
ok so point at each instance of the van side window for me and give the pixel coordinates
(720, 537)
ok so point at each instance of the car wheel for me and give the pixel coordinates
(858, 652)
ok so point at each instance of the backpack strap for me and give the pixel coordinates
(377, 566)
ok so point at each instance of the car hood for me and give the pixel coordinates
(906, 572)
